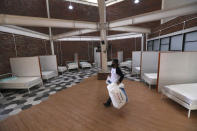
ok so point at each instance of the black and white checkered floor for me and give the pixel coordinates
(14, 101)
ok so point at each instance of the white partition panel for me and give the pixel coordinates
(149, 62)
(95, 57)
(25, 66)
(120, 56)
(136, 58)
(48, 63)
(98, 59)
(177, 68)
(76, 58)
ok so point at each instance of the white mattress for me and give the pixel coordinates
(62, 68)
(48, 74)
(72, 66)
(136, 70)
(126, 64)
(184, 92)
(150, 78)
(85, 65)
(19, 82)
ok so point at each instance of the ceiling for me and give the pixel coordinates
(95, 2)
(81, 12)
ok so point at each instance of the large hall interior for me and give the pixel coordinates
(98, 65)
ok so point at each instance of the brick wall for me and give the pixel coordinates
(66, 50)
(82, 48)
(174, 25)
(126, 45)
(25, 46)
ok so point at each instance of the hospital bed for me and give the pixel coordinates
(62, 69)
(85, 64)
(20, 82)
(136, 70)
(184, 94)
(126, 63)
(46, 75)
(72, 65)
(150, 78)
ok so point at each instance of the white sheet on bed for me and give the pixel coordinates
(48, 74)
(19, 82)
(184, 92)
(150, 78)
(62, 68)
(85, 65)
(72, 66)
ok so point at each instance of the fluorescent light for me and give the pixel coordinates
(136, 1)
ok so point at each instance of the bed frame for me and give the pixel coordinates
(69, 62)
(181, 102)
(82, 64)
(25, 86)
(146, 79)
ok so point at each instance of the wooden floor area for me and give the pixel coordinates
(80, 108)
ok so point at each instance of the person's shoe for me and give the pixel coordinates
(106, 104)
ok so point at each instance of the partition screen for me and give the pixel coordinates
(191, 41)
(156, 45)
(165, 44)
(149, 62)
(176, 43)
(177, 68)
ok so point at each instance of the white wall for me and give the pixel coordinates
(177, 68)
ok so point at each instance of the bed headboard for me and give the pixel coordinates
(48, 63)
(177, 68)
(25, 66)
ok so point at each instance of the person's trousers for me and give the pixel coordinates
(108, 101)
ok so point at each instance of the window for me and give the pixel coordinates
(176, 43)
(191, 41)
(165, 44)
(150, 46)
(156, 45)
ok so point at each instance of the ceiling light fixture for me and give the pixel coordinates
(70, 7)
(136, 1)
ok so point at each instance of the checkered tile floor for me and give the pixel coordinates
(15, 101)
